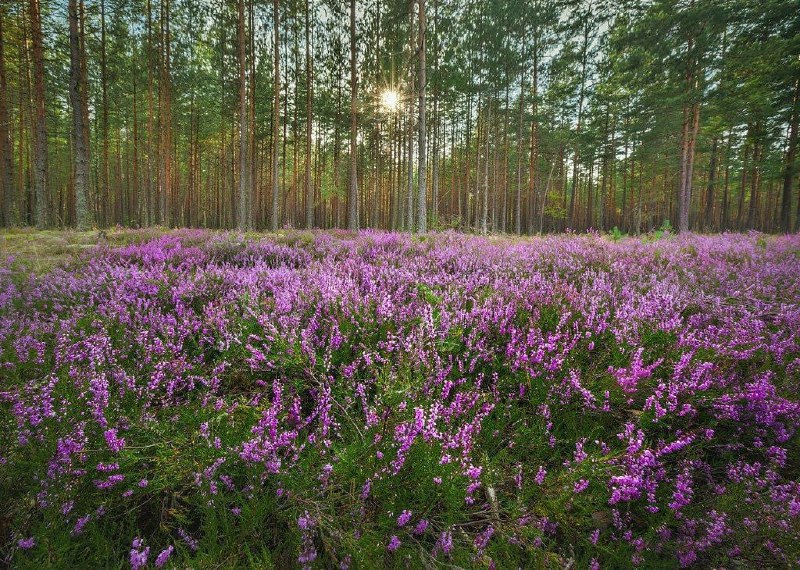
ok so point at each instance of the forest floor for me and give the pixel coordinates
(203, 399)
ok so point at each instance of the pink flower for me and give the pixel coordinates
(394, 543)
(581, 486)
(403, 519)
(163, 556)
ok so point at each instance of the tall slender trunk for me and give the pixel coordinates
(712, 178)
(105, 197)
(42, 210)
(352, 193)
(150, 187)
(743, 188)
(9, 214)
(165, 110)
(581, 96)
(485, 212)
(253, 178)
(504, 205)
(755, 180)
(518, 192)
(276, 115)
(137, 186)
(436, 118)
(244, 188)
(409, 134)
(691, 124)
(788, 168)
(422, 193)
(77, 100)
(309, 119)
(534, 154)
(724, 214)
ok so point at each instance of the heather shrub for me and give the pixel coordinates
(377, 400)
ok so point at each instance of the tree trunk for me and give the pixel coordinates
(534, 155)
(9, 217)
(149, 210)
(77, 100)
(755, 179)
(742, 190)
(165, 111)
(485, 211)
(409, 134)
(436, 118)
(105, 198)
(724, 215)
(309, 119)
(42, 210)
(276, 116)
(518, 193)
(712, 177)
(352, 193)
(422, 194)
(788, 169)
(244, 187)
(576, 158)
(137, 186)
(683, 198)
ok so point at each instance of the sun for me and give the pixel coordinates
(390, 101)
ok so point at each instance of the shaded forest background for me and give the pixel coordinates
(514, 116)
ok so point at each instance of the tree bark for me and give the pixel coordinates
(534, 154)
(422, 193)
(518, 192)
(42, 210)
(309, 119)
(712, 178)
(9, 214)
(485, 211)
(105, 197)
(244, 187)
(788, 168)
(276, 115)
(165, 111)
(352, 193)
(577, 155)
(77, 100)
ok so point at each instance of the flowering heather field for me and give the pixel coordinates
(198, 399)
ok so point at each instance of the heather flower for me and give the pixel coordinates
(79, 524)
(482, 540)
(445, 543)
(190, 542)
(139, 554)
(595, 536)
(163, 556)
(114, 442)
(403, 519)
(581, 485)
(421, 527)
(26, 543)
(495, 334)
(394, 543)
